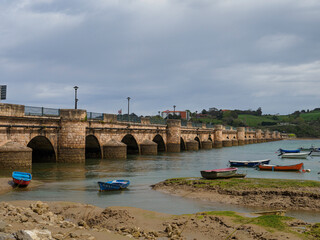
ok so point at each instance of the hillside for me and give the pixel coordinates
(302, 123)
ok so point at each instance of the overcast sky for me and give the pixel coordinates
(194, 54)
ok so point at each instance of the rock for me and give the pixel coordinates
(82, 224)
(6, 236)
(58, 236)
(34, 235)
(2, 226)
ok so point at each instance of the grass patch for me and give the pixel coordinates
(314, 231)
(247, 183)
(272, 221)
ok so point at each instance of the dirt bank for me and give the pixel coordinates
(65, 220)
(236, 191)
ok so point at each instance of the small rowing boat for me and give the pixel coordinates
(21, 179)
(295, 155)
(289, 151)
(248, 163)
(296, 167)
(113, 185)
(218, 173)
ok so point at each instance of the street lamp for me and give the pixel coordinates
(75, 97)
(174, 110)
(128, 108)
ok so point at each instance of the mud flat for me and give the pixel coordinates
(7, 185)
(65, 220)
(268, 193)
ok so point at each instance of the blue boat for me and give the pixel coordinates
(289, 151)
(248, 163)
(22, 179)
(113, 185)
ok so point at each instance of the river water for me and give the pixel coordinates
(78, 182)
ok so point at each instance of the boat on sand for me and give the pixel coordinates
(21, 179)
(219, 173)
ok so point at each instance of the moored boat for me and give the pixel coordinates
(218, 173)
(296, 167)
(289, 151)
(295, 155)
(21, 179)
(248, 163)
(113, 185)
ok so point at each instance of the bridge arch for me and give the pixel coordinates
(132, 145)
(42, 150)
(161, 145)
(182, 145)
(92, 148)
(198, 140)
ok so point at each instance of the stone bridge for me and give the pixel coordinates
(71, 137)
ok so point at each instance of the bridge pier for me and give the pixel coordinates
(235, 142)
(114, 150)
(241, 136)
(148, 147)
(14, 155)
(227, 143)
(173, 135)
(218, 137)
(192, 145)
(206, 144)
(72, 136)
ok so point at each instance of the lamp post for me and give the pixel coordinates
(75, 97)
(128, 108)
(174, 110)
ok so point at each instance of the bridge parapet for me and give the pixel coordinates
(11, 110)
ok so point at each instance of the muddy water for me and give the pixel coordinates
(78, 182)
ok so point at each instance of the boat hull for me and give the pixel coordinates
(218, 173)
(248, 163)
(295, 155)
(296, 167)
(289, 151)
(113, 185)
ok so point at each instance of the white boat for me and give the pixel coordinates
(295, 155)
(315, 153)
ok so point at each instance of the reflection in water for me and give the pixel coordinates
(78, 182)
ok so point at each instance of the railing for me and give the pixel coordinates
(227, 127)
(41, 111)
(124, 118)
(196, 124)
(209, 125)
(158, 121)
(94, 116)
(184, 123)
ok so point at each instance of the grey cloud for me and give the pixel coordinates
(194, 54)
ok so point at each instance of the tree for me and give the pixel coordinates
(259, 111)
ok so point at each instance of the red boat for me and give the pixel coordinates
(296, 167)
(21, 179)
